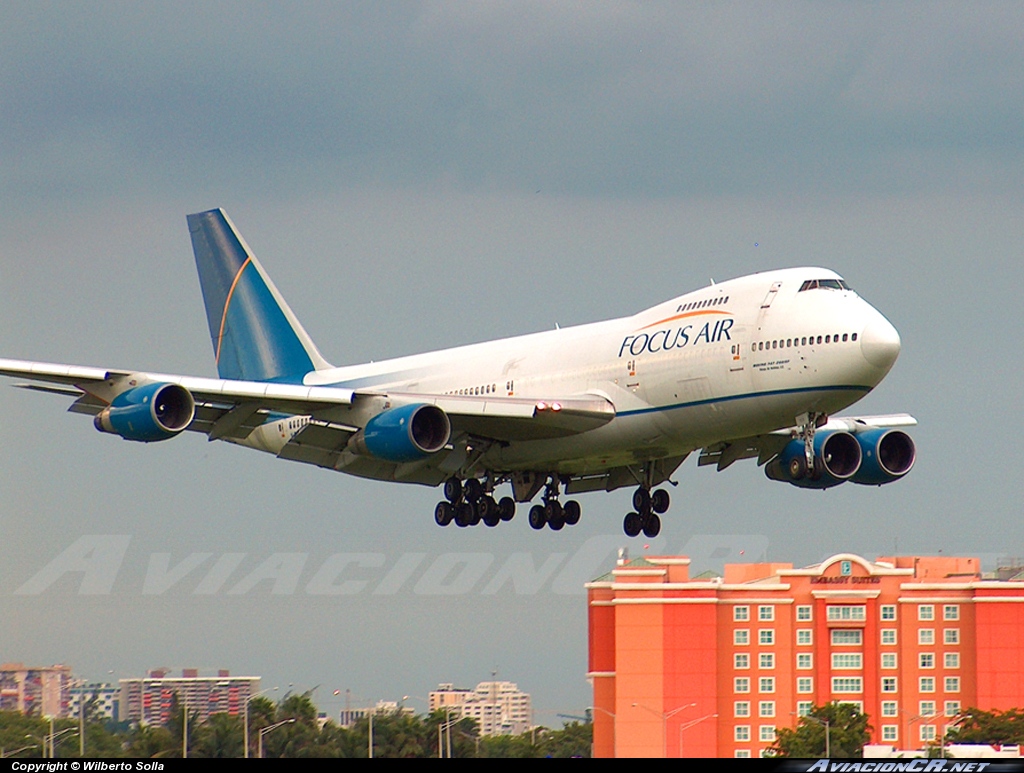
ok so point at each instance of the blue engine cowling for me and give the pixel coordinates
(148, 413)
(888, 455)
(404, 434)
(837, 458)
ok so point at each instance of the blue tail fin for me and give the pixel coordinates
(256, 337)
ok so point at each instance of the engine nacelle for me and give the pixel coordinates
(837, 457)
(148, 413)
(888, 455)
(404, 434)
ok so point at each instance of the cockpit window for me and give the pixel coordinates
(824, 284)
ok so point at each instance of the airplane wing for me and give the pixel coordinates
(767, 446)
(231, 409)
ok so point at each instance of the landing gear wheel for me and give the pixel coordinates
(572, 512)
(507, 508)
(473, 490)
(555, 515)
(642, 500)
(464, 514)
(489, 511)
(797, 468)
(443, 513)
(453, 490)
(537, 519)
(652, 526)
(660, 501)
(632, 524)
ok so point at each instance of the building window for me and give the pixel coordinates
(741, 708)
(888, 660)
(926, 660)
(741, 733)
(742, 754)
(766, 636)
(926, 708)
(951, 660)
(767, 733)
(952, 708)
(847, 660)
(740, 614)
(926, 636)
(805, 660)
(846, 638)
(927, 733)
(847, 684)
(888, 684)
(925, 612)
(741, 637)
(766, 684)
(951, 636)
(951, 612)
(952, 684)
(803, 612)
(804, 684)
(890, 732)
(888, 612)
(804, 637)
(741, 660)
(766, 661)
(888, 636)
(890, 709)
(766, 709)
(846, 612)
(766, 613)
(803, 708)
(926, 684)
(741, 684)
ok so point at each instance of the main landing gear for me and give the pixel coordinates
(472, 503)
(553, 513)
(648, 505)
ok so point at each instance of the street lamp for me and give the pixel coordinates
(828, 732)
(665, 715)
(614, 734)
(245, 723)
(688, 725)
(265, 730)
(4, 754)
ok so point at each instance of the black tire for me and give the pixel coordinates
(555, 514)
(797, 468)
(464, 513)
(443, 513)
(652, 526)
(489, 511)
(642, 500)
(453, 490)
(632, 524)
(507, 508)
(472, 490)
(572, 511)
(660, 501)
(537, 519)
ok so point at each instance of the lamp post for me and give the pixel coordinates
(245, 723)
(55, 736)
(953, 724)
(265, 730)
(614, 739)
(828, 732)
(688, 725)
(665, 716)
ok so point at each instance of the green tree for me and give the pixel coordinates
(848, 731)
(988, 727)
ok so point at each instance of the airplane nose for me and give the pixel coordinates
(880, 343)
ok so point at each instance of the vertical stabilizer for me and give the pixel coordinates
(256, 337)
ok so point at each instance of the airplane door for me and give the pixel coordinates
(771, 295)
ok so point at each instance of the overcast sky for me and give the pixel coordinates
(421, 174)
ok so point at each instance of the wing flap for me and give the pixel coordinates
(318, 443)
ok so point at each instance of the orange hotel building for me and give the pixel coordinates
(712, 667)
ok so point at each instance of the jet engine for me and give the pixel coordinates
(404, 434)
(148, 413)
(837, 457)
(888, 455)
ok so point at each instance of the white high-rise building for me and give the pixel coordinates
(499, 708)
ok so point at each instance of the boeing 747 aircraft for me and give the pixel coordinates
(751, 367)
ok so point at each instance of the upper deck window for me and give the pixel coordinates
(824, 284)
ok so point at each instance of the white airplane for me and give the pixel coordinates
(751, 367)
